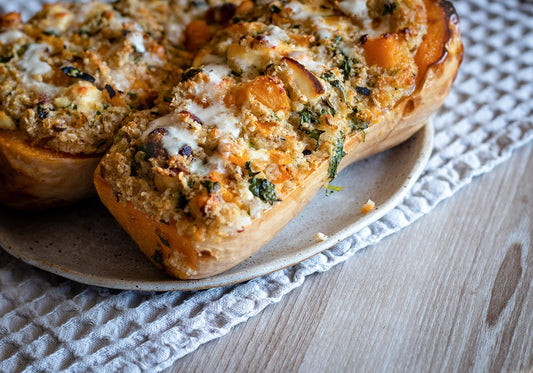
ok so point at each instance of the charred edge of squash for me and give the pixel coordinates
(453, 26)
(452, 32)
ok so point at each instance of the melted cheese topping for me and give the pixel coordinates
(271, 98)
(11, 36)
(356, 8)
(31, 63)
(72, 73)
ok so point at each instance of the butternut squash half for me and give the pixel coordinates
(183, 244)
(68, 77)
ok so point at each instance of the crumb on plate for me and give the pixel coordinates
(368, 206)
(320, 237)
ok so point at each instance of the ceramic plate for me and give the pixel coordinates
(85, 244)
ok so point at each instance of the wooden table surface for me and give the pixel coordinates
(451, 292)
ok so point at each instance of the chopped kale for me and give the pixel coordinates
(6, 59)
(182, 202)
(363, 91)
(51, 33)
(189, 74)
(340, 87)
(248, 167)
(72, 72)
(309, 117)
(211, 186)
(389, 8)
(335, 43)
(264, 189)
(117, 138)
(339, 153)
(328, 109)
(22, 49)
(330, 77)
(346, 67)
(198, 3)
(274, 9)
(358, 124)
(315, 135)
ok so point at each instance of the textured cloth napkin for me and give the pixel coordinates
(49, 323)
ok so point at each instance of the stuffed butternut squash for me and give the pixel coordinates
(273, 106)
(68, 78)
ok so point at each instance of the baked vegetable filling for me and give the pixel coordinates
(274, 91)
(73, 72)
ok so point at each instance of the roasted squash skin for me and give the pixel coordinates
(37, 178)
(186, 256)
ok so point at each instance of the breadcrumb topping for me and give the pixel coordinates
(274, 90)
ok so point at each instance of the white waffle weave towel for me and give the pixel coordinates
(48, 323)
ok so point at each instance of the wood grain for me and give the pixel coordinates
(452, 292)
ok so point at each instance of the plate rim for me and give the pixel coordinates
(270, 266)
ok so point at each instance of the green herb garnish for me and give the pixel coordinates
(346, 67)
(358, 124)
(329, 109)
(339, 153)
(330, 189)
(330, 77)
(22, 49)
(264, 189)
(309, 117)
(211, 186)
(248, 168)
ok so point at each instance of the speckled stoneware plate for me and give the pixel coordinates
(85, 244)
